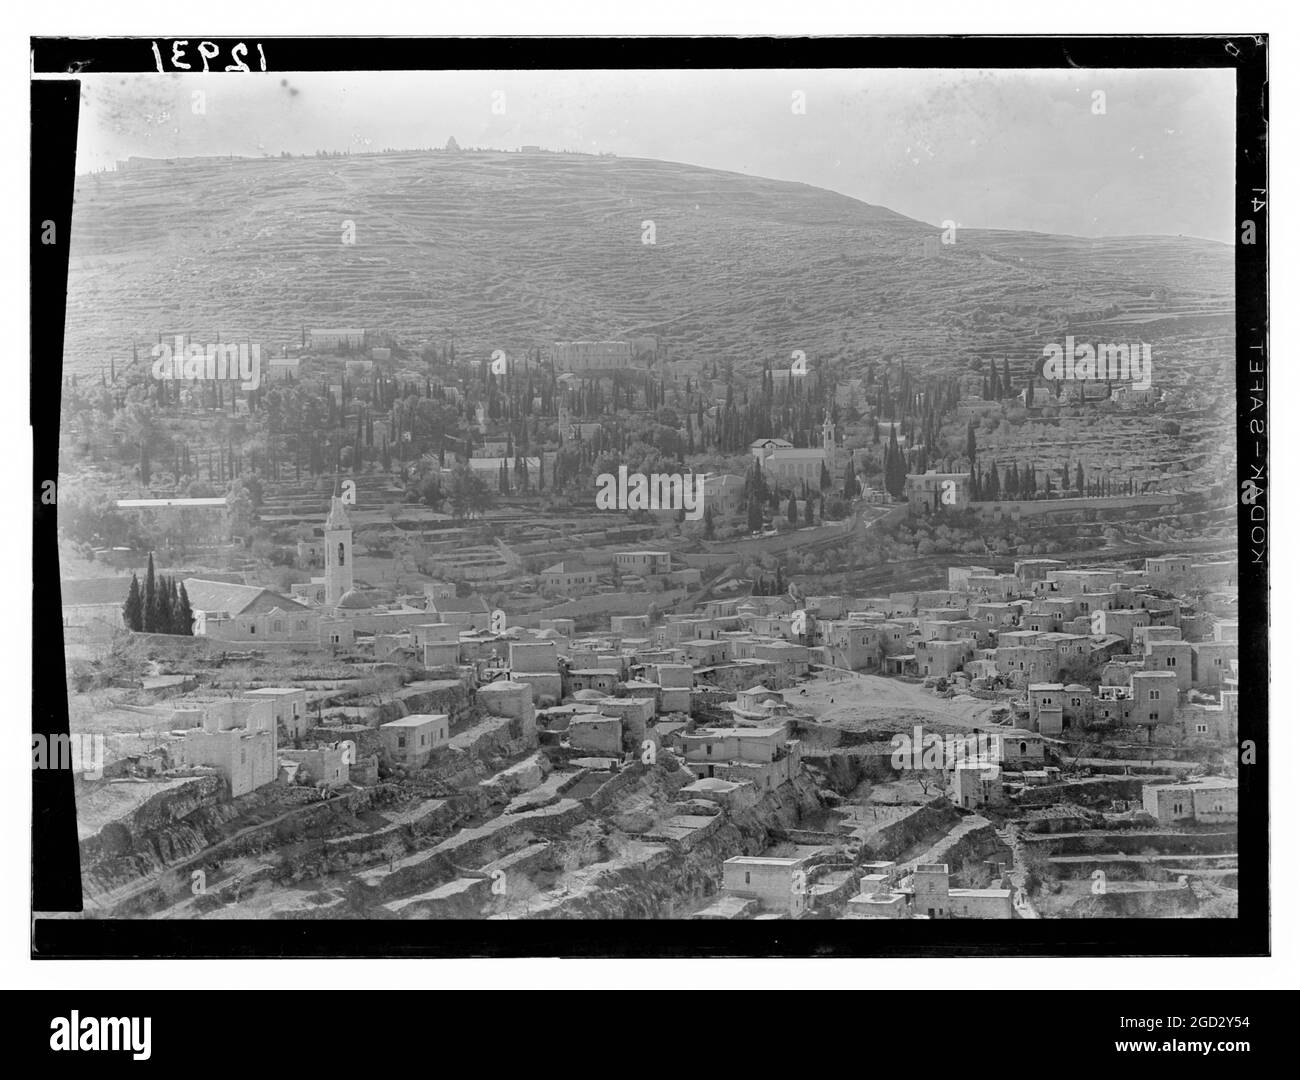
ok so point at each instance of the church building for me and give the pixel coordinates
(789, 466)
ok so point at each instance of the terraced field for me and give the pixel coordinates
(516, 250)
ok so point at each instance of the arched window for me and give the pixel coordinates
(341, 561)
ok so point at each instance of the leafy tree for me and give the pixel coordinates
(239, 508)
(431, 491)
(469, 493)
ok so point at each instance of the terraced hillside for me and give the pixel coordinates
(514, 250)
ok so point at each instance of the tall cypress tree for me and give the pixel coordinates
(150, 597)
(133, 609)
(184, 613)
(895, 466)
(755, 497)
(162, 616)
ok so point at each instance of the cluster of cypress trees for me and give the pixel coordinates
(998, 387)
(895, 465)
(758, 495)
(160, 607)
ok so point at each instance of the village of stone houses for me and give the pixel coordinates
(506, 617)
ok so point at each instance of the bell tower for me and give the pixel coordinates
(338, 552)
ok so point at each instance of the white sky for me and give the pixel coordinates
(1006, 149)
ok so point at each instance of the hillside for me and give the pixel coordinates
(514, 250)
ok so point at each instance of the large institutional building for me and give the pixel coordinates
(787, 464)
(591, 356)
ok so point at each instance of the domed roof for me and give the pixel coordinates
(353, 601)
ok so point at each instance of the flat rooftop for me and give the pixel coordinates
(1205, 782)
(995, 894)
(415, 720)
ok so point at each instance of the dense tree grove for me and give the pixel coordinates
(200, 438)
(160, 606)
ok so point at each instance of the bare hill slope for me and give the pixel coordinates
(514, 250)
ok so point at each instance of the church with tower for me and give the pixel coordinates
(326, 611)
(788, 466)
(338, 554)
(334, 592)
